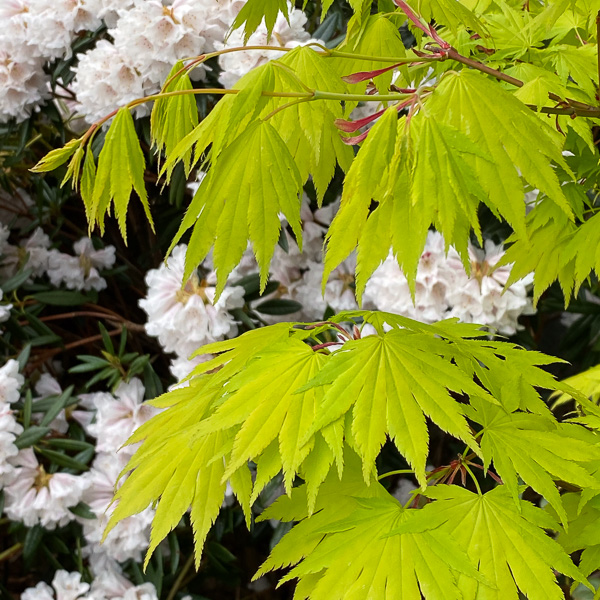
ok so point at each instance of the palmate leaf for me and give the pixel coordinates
(506, 540)
(263, 400)
(241, 198)
(254, 11)
(121, 167)
(363, 179)
(174, 117)
(345, 551)
(308, 128)
(376, 37)
(174, 467)
(390, 382)
(549, 249)
(226, 121)
(477, 107)
(536, 449)
(584, 531)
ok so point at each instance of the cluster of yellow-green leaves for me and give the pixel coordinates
(482, 110)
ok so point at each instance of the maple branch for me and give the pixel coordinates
(598, 51)
(475, 64)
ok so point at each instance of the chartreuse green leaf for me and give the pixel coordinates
(587, 382)
(584, 531)
(507, 541)
(363, 179)
(551, 249)
(226, 120)
(477, 107)
(345, 550)
(390, 382)
(254, 180)
(254, 11)
(121, 167)
(174, 117)
(262, 399)
(57, 157)
(454, 15)
(535, 448)
(175, 467)
(444, 183)
(308, 128)
(376, 37)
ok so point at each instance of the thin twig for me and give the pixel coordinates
(177, 584)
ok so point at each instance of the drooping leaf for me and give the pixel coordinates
(536, 449)
(174, 467)
(345, 551)
(121, 167)
(476, 106)
(253, 181)
(254, 11)
(308, 127)
(174, 117)
(362, 182)
(57, 157)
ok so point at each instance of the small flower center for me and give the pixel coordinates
(479, 270)
(194, 286)
(85, 262)
(42, 479)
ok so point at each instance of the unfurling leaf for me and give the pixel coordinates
(57, 157)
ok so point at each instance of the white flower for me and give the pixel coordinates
(36, 497)
(11, 382)
(31, 253)
(236, 64)
(42, 591)
(4, 309)
(130, 537)
(9, 431)
(156, 39)
(443, 289)
(110, 584)
(109, 10)
(482, 299)
(80, 272)
(67, 586)
(23, 83)
(118, 416)
(183, 317)
(105, 79)
(339, 292)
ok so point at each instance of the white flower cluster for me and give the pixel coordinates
(443, 289)
(236, 64)
(10, 383)
(33, 32)
(76, 272)
(109, 585)
(81, 271)
(149, 37)
(34, 496)
(183, 315)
